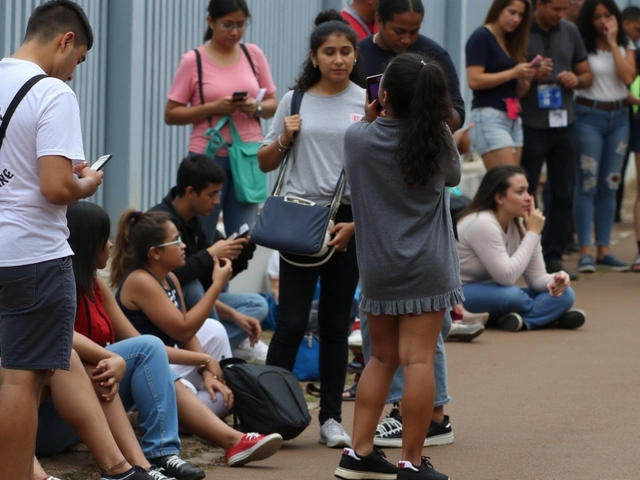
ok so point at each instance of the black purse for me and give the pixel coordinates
(298, 228)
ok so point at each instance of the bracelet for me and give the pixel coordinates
(203, 367)
(116, 466)
(281, 147)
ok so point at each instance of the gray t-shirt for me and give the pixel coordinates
(564, 45)
(317, 155)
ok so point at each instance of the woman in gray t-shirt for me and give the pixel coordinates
(331, 102)
(398, 165)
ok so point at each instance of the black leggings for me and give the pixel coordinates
(338, 281)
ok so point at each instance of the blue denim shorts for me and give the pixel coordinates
(493, 130)
(37, 314)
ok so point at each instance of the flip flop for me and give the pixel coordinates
(312, 390)
(349, 395)
(635, 266)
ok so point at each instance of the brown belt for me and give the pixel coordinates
(608, 106)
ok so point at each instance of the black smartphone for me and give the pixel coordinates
(101, 162)
(373, 86)
(238, 96)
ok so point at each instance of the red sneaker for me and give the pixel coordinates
(253, 447)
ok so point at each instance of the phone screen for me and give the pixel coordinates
(237, 96)
(101, 162)
(373, 86)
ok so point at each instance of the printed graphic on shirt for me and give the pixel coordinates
(5, 176)
(172, 296)
(355, 117)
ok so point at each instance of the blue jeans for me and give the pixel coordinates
(251, 304)
(603, 137)
(148, 385)
(537, 309)
(440, 366)
(235, 213)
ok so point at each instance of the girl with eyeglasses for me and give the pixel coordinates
(228, 67)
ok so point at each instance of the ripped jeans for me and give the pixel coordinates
(603, 137)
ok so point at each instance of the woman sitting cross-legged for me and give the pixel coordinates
(164, 404)
(499, 241)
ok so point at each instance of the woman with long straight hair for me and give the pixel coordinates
(331, 102)
(498, 74)
(398, 165)
(228, 66)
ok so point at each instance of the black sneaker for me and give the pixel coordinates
(374, 466)
(425, 471)
(440, 433)
(174, 466)
(573, 319)
(136, 473)
(511, 322)
(157, 474)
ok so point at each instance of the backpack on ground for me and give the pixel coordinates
(267, 399)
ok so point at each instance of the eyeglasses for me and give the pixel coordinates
(230, 26)
(178, 242)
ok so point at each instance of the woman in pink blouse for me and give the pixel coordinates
(499, 242)
(228, 66)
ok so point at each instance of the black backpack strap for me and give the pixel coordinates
(15, 102)
(296, 101)
(199, 64)
(246, 54)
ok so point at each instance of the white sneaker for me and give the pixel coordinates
(255, 354)
(355, 338)
(333, 435)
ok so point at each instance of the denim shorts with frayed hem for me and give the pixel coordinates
(493, 130)
(37, 314)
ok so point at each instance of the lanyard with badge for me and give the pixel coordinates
(550, 95)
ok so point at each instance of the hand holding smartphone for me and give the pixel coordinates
(537, 60)
(373, 87)
(239, 96)
(101, 162)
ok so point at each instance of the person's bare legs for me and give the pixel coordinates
(502, 156)
(197, 419)
(375, 381)
(76, 402)
(19, 399)
(38, 471)
(418, 335)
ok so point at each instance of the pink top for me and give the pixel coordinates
(219, 81)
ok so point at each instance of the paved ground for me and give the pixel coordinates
(526, 406)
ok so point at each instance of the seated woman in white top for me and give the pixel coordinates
(499, 241)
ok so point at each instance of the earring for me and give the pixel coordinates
(315, 65)
(355, 62)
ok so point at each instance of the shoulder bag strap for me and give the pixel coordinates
(296, 101)
(199, 64)
(15, 102)
(253, 68)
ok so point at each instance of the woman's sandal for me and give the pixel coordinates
(349, 395)
(312, 390)
(635, 266)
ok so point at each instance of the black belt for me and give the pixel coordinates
(608, 106)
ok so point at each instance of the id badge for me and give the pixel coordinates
(549, 96)
(558, 119)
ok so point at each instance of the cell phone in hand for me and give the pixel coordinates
(101, 162)
(373, 86)
(239, 96)
(537, 60)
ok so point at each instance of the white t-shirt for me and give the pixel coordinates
(273, 267)
(607, 85)
(47, 122)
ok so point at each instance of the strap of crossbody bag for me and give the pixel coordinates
(199, 66)
(15, 102)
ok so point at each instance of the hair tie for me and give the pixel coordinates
(423, 63)
(135, 216)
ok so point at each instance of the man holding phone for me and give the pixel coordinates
(548, 119)
(42, 170)
(197, 192)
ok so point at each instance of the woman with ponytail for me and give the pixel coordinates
(331, 102)
(228, 66)
(398, 163)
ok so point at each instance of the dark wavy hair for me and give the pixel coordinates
(219, 8)
(518, 40)
(418, 95)
(89, 231)
(327, 23)
(585, 23)
(497, 180)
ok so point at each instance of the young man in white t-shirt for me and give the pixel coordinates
(43, 169)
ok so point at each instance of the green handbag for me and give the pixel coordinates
(249, 182)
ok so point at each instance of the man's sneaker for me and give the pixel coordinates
(613, 263)
(425, 471)
(464, 332)
(572, 319)
(136, 473)
(440, 433)
(255, 354)
(156, 474)
(511, 322)
(174, 466)
(355, 338)
(333, 435)
(554, 265)
(586, 264)
(372, 467)
(253, 447)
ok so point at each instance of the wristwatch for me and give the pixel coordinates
(259, 109)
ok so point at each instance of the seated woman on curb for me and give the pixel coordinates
(106, 333)
(496, 247)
